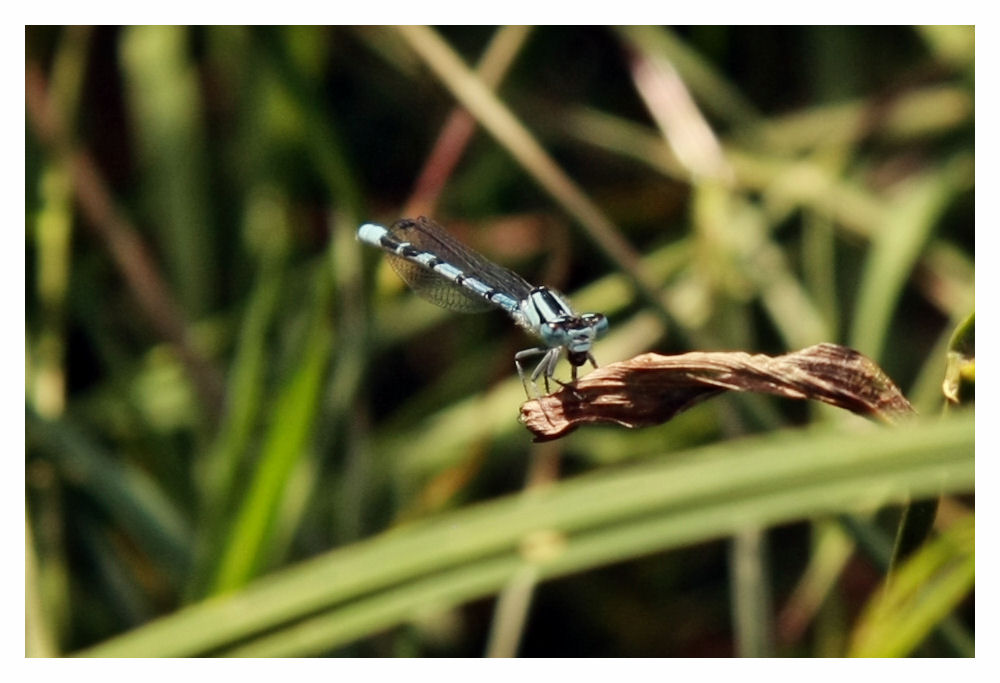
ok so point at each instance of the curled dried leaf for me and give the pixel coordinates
(652, 388)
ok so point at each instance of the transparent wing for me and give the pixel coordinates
(426, 235)
(437, 289)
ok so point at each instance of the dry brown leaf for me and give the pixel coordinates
(652, 388)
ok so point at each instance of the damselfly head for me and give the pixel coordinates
(576, 333)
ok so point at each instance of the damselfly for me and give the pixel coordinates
(444, 271)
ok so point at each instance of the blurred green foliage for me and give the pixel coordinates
(223, 385)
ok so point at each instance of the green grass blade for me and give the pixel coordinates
(165, 105)
(133, 500)
(751, 594)
(39, 629)
(896, 246)
(284, 445)
(924, 590)
(605, 517)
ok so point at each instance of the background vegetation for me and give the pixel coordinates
(245, 436)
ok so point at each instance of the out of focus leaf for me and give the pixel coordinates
(961, 372)
(924, 591)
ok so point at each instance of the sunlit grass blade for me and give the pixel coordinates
(246, 550)
(606, 517)
(924, 590)
(708, 85)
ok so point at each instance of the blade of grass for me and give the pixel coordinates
(831, 549)
(246, 550)
(896, 246)
(818, 263)
(511, 615)
(618, 514)
(924, 590)
(266, 217)
(165, 107)
(877, 547)
(917, 113)
(751, 602)
(514, 598)
(54, 227)
(709, 86)
(246, 384)
(737, 250)
(682, 124)
(457, 131)
(131, 498)
(45, 374)
(479, 578)
(39, 629)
